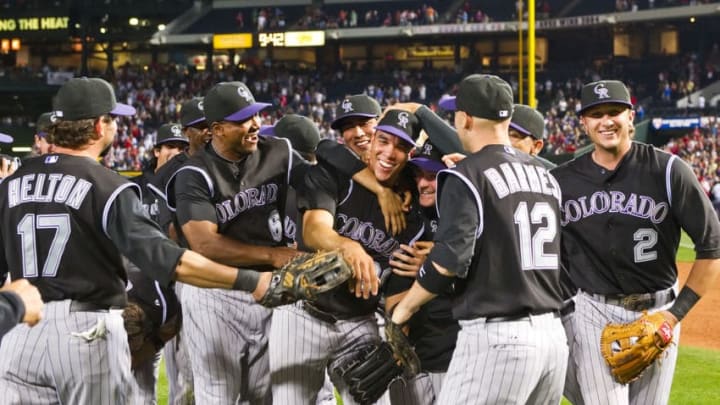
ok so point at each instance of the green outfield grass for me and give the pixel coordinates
(696, 376)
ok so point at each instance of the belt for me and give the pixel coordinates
(568, 308)
(84, 306)
(515, 318)
(637, 302)
(317, 313)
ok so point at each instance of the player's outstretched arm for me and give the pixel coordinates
(318, 233)
(30, 299)
(703, 277)
(392, 205)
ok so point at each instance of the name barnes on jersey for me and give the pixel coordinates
(600, 202)
(245, 200)
(53, 187)
(517, 177)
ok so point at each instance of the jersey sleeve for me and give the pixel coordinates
(338, 157)
(298, 169)
(319, 190)
(191, 191)
(140, 239)
(694, 210)
(458, 222)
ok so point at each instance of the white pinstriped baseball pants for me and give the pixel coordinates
(514, 362)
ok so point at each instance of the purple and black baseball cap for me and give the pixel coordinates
(428, 158)
(83, 98)
(43, 123)
(191, 112)
(482, 96)
(528, 121)
(170, 133)
(604, 92)
(403, 124)
(302, 133)
(359, 105)
(230, 101)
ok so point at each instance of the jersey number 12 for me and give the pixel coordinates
(26, 229)
(532, 246)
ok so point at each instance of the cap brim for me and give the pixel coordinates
(195, 121)
(335, 124)
(429, 165)
(520, 129)
(5, 138)
(267, 130)
(169, 140)
(623, 102)
(42, 134)
(394, 131)
(123, 109)
(247, 112)
(448, 103)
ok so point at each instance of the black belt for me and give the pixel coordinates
(637, 302)
(568, 308)
(84, 306)
(515, 318)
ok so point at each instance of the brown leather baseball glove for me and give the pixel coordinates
(632, 347)
(306, 276)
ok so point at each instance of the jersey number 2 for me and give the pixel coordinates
(26, 229)
(532, 246)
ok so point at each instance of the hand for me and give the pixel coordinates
(366, 278)
(282, 255)
(392, 208)
(452, 159)
(407, 261)
(30, 296)
(670, 318)
(262, 286)
(6, 168)
(423, 247)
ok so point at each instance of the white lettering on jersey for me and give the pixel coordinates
(517, 177)
(600, 202)
(42, 188)
(245, 200)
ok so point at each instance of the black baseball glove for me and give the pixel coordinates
(306, 276)
(369, 372)
(144, 338)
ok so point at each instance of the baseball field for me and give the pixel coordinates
(698, 368)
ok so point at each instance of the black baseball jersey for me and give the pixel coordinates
(433, 331)
(248, 196)
(159, 303)
(157, 184)
(357, 216)
(65, 222)
(499, 234)
(621, 228)
(150, 200)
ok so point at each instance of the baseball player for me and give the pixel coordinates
(41, 145)
(356, 117)
(228, 199)
(195, 129)
(340, 214)
(624, 204)
(20, 301)
(160, 304)
(432, 330)
(498, 241)
(66, 221)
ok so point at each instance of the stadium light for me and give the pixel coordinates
(161, 27)
(133, 21)
(103, 30)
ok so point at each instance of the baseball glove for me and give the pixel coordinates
(369, 372)
(401, 348)
(631, 348)
(144, 338)
(306, 276)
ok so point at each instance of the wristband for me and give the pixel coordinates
(685, 300)
(246, 280)
(430, 279)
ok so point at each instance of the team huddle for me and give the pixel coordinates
(413, 263)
